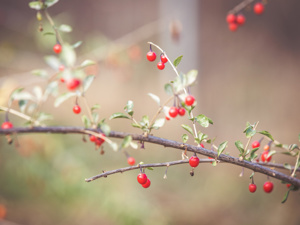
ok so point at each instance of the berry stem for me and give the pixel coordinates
(296, 165)
(58, 36)
(19, 114)
(240, 6)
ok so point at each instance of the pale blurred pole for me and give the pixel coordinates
(187, 13)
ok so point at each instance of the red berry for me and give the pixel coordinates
(151, 56)
(62, 80)
(266, 147)
(230, 18)
(288, 185)
(181, 111)
(173, 111)
(160, 65)
(252, 188)
(202, 145)
(268, 186)
(73, 83)
(258, 8)
(131, 161)
(92, 138)
(147, 184)
(240, 19)
(61, 68)
(255, 144)
(194, 161)
(232, 27)
(76, 109)
(6, 125)
(189, 100)
(142, 178)
(167, 118)
(101, 140)
(57, 48)
(210, 158)
(164, 59)
(264, 156)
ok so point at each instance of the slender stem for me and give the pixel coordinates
(240, 6)
(296, 165)
(59, 38)
(19, 114)
(88, 110)
(249, 139)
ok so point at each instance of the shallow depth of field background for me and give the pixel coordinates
(250, 75)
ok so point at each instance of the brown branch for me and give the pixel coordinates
(240, 6)
(256, 167)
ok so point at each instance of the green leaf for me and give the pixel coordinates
(114, 146)
(197, 140)
(105, 128)
(40, 73)
(38, 92)
(50, 3)
(86, 121)
(177, 61)
(271, 153)
(240, 147)
(129, 108)
(65, 28)
(88, 80)
(149, 168)
(187, 128)
(95, 117)
(68, 55)
(202, 120)
(22, 105)
(266, 133)
(252, 174)
(214, 163)
(293, 147)
(155, 98)
(52, 88)
(168, 89)
(136, 125)
(134, 145)
(118, 115)
(126, 141)
(96, 106)
(289, 153)
(158, 123)
(36, 5)
(191, 77)
(250, 131)
(52, 61)
(44, 116)
(145, 121)
(252, 154)
(48, 33)
(285, 196)
(87, 63)
(77, 44)
(222, 147)
(202, 136)
(185, 138)
(59, 100)
(287, 166)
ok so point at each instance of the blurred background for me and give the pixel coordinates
(248, 75)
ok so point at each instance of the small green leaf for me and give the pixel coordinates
(94, 107)
(52, 88)
(136, 125)
(293, 147)
(222, 147)
(40, 73)
(65, 28)
(52, 61)
(114, 146)
(287, 166)
(68, 55)
(86, 121)
(149, 168)
(22, 105)
(158, 123)
(289, 153)
(129, 108)
(252, 174)
(177, 61)
(105, 128)
(214, 163)
(155, 98)
(36, 5)
(168, 89)
(252, 154)
(202, 120)
(240, 147)
(95, 117)
(197, 140)
(44, 116)
(266, 133)
(250, 132)
(50, 3)
(185, 138)
(59, 100)
(88, 80)
(77, 44)
(202, 136)
(285, 196)
(134, 145)
(187, 128)
(48, 33)
(37, 90)
(87, 63)
(191, 77)
(126, 141)
(271, 153)
(145, 121)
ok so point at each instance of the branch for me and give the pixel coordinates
(256, 167)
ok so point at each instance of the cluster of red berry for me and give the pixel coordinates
(268, 187)
(143, 180)
(98, 140)
(264, 155)
(151, 56)
(174, 111)
(234, 21)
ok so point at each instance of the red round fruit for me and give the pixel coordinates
(173, 111)
(181, 111)
(189, 100)
(252, 188)
(131, 161)
(258, 8)
(202, 145)
(57, 48)
(6, 125)
(194, 161)
(147, 184)
(255, 144)
(151, 56)
(99, 141)
(76, 109)
(142, 178)
(240, 19)
(264, 156)
(230, 18)
(268, 186)
(167, 118)
(160, 65)
(233, 27)
(164, 59)
(288, 185)
(210, 158)
(73, 83)
(92, 138)
(266, 147)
